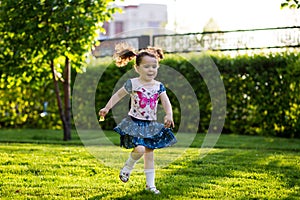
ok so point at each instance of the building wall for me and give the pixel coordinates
(136, 20)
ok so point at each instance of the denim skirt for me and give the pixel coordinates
(150, 134)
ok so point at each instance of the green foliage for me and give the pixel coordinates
(262, 93)
(34, 30)
(33, 33)
(294, 4)
(22, 102)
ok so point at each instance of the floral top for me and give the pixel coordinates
(144, 98)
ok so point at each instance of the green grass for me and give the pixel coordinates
(37, 164)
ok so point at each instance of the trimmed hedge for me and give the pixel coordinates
(262, 93)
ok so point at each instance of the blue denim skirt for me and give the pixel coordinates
(150, 134)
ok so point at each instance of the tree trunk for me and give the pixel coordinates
(67, 95)
(59, 101)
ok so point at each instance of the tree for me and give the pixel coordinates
(53, 32)
(295, 4)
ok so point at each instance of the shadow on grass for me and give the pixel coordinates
(145, 195)
(237, 174)
(228, 174)
(240, 168)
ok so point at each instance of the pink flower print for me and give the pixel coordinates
(144, 100)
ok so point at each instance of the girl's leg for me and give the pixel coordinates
(150, 171)
(138, 152)
(134, 156)
(149, 159)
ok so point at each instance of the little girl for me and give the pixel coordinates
(140, 130)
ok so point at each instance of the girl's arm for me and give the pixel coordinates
(115, 98)
(168, 119)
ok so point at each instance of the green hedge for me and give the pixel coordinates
(262, 93)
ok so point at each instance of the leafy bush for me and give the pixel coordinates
(262, 93)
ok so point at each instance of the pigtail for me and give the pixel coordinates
(157, 52)
(124, 53)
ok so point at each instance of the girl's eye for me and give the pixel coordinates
(148, 66)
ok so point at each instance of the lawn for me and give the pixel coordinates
(36, 164)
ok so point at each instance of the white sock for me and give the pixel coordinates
(150, 176)
(129, 164)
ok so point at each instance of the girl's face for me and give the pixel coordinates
(148, 68)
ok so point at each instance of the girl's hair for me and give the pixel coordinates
(124, 53)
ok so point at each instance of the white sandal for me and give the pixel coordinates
(124, 175)
(152, 190)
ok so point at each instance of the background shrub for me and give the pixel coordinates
(262, 93)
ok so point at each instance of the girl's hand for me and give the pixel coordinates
(168, 121)
(103, 112)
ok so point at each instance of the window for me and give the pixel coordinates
(118, 27)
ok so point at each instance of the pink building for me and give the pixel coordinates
(136, 20)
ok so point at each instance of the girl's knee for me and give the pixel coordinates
(139, 149)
